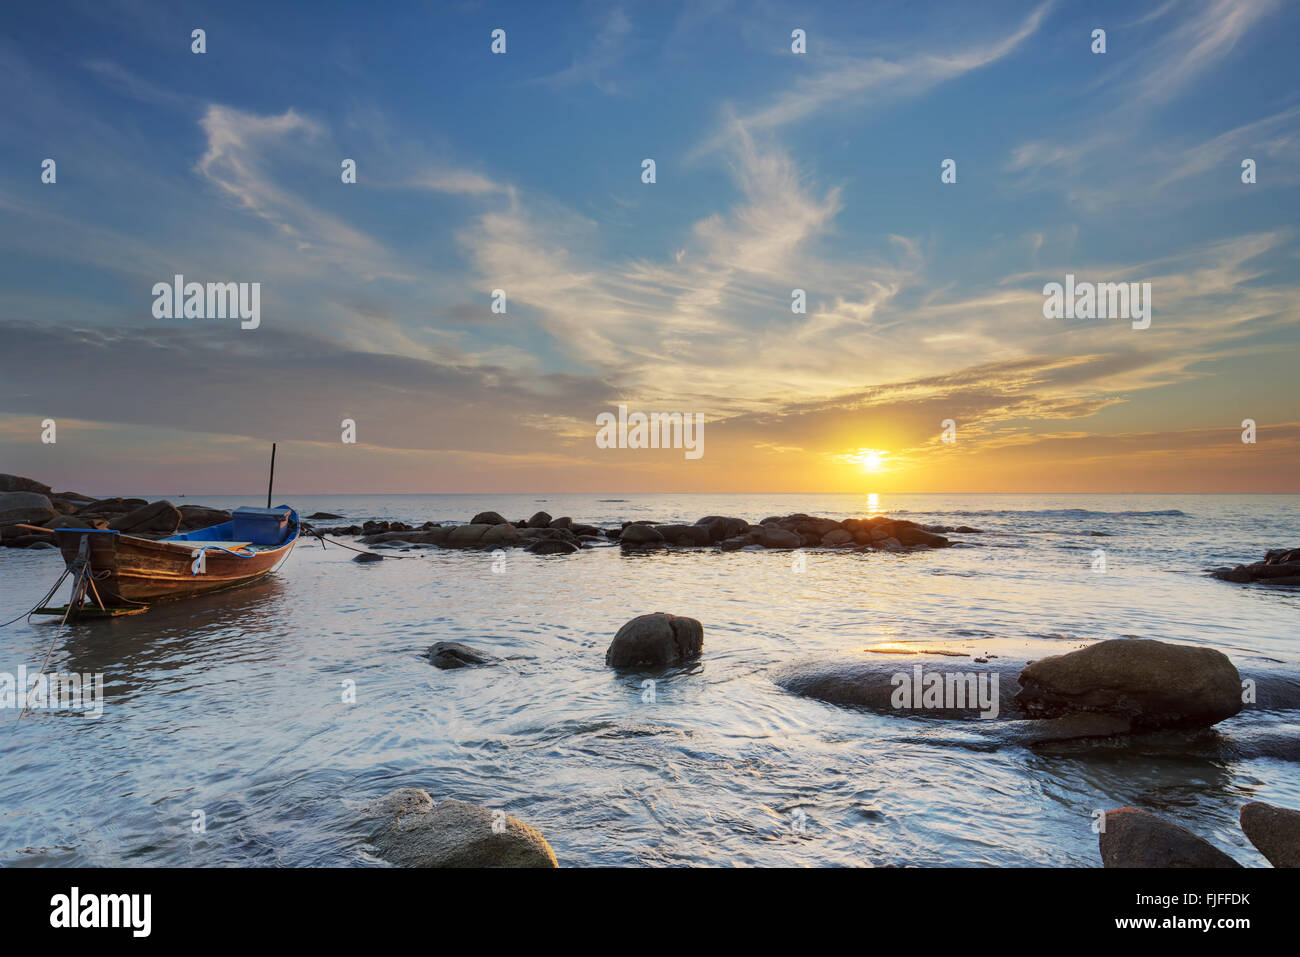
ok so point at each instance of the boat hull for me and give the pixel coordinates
(130, 569)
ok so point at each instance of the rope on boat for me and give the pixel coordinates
(324, 538)
(83, 581)
(194, 568)
(40, 604)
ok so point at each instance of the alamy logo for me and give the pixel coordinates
(62, 691)
(103, 910)
(658, 430)
(1104, 300)
(964, 690)
(215, 300)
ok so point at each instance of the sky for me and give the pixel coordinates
(923, 361)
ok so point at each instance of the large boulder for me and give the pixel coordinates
(17, 483)
(197, 516)
(75, 521)
(656, 640)
(156, 518)
(1132, 837)
(433, 536)
(467, 536)
(488, 518)
(540, 520)
(871, 682)
(774, 536)
(721, 527)
(107, 507)
(416, 832)
(32, 508)
(683, 534)
(640, 535)
(1275, 831)
(1153, 683)
(498, 535)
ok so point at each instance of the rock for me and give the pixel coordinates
(75, 521)
(434, 536)
(368, 557)
(501, 534)
(452, 654)
(837, 536)
(157, 518)
(690, 535)
(464, 536)
(888, 544)
(721, 528)
(564, 522)
(775, 537)
(655, 641)
(915, 535)
(37, 546)
(1153, 683)
(311, 517)
(488, 518)
(112, 506)
(640, 535)
(419, 833)
(32, 508)
(1281, 566)
(587, 531)
(1275, 831)
(16, 483)
(76, 498)
(868, 682)
(540, 520)
(1238, 574)
(551, 546)
(1137, 838)
(196, 516)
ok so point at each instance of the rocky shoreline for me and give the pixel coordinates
(27, 506)
(547, 535)
(1121, 692)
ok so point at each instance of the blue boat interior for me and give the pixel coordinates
(258, 528)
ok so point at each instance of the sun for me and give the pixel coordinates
(870, 460)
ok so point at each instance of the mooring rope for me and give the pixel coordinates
(323, 538)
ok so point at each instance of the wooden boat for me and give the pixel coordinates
(128, 571)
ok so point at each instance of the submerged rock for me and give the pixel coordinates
(416, 832)
(1281, 566)
(656, 640)
(368, 557)
(551, 546)
(1153, 683)
(1135, 838)
(871, 682)
(1275, 831)
(452, 654)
